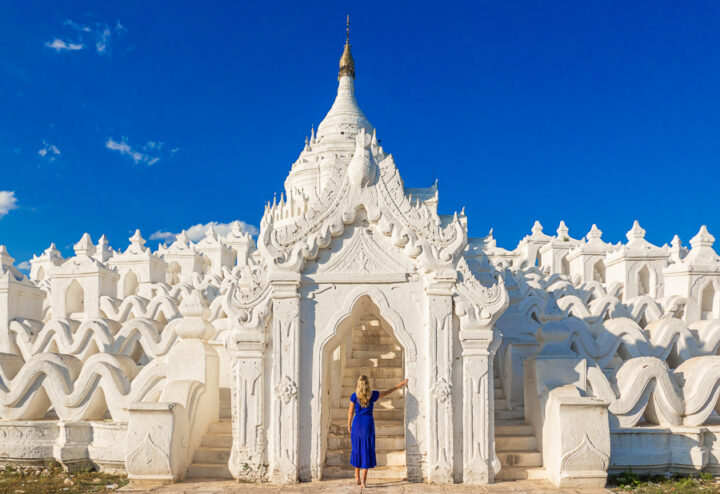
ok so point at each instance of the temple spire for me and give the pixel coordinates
(347, 64)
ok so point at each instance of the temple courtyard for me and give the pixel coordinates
(346, 486)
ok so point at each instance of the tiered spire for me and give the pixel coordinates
(347, 64)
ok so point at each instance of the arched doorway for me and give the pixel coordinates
(364, 344)
(74, 300)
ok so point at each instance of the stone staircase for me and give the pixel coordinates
(515, 442)
(376, 354)
(210, 460)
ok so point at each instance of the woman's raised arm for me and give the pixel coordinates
(399, 385)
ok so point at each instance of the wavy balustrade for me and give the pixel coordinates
(644, 387)
(137, 338)
(76, 390)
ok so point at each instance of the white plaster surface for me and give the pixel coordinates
(230, 357)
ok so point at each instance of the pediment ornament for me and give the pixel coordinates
(362, 255)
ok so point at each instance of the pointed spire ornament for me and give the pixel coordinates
(347, 64)
(636, 232)
(594, 232)
(703, 238)
(562, 231)
(137, 240)
(85, 246)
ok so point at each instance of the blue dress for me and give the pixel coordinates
(362, 435)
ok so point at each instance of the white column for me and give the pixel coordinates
(248, 458)
(440, 342)
(285, 375)
(480, 463)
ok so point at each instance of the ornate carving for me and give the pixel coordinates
(148, 459)
(584, 457)
(362, 255)
(413, 227)
(479, 304)
(442, 390)
(286, 389)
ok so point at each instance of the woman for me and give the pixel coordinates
(362, 429)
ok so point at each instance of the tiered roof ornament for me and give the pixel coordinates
(638, 247)
(553, 255)
(528, 247)
(691, 277)
(638, 265)
(219, 254)
(85, 246)
(584, 257)
(677, 251)
(40, 265)
(103, 251)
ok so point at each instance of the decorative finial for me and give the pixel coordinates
(347, 64)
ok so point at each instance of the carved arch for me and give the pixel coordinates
(388, 313)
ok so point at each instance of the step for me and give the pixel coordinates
(520, 473)
(501, 404)
(382, 428)
(515, 443)
(378, 383)
(373, 362)
(217, 441)
(208, 471)
(222, 427)
(373, 339)
(378, 348)
(368, 329)
(384, 354)
(518, 413)
(520, 458)
(377, 473)
(337, 441)
(512, 428)
(341, 458)
(211, 455)
(376, 372)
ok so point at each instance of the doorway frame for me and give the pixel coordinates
(324, 346)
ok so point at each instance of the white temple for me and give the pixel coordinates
(563, 358)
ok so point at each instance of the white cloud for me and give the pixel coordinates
(24, 266)
(197, 232)
(125, 149)
(60, 45)
(49, 151)
(8, 202)
(98, 34)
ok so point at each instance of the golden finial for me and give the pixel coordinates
(347, 64)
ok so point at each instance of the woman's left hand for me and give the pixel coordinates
(349, 429)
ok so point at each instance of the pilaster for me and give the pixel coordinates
(248, 458)
(285, 375)
(480, 463)
(440, 343)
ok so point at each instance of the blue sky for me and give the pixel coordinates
(163, 115)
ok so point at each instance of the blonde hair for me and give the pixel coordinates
(363, 391)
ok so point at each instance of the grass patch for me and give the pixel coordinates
(42, 480)
(660, 484)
